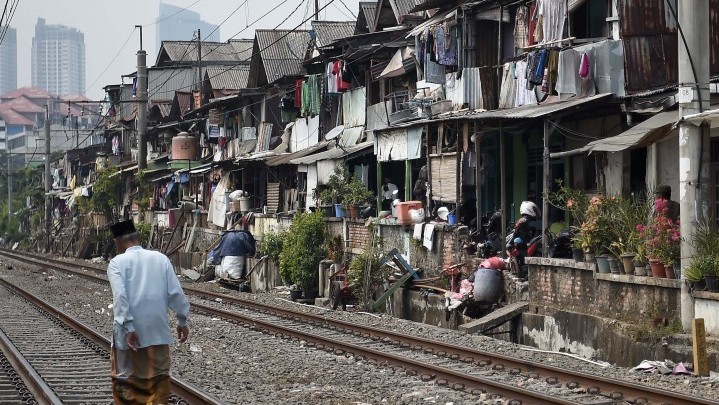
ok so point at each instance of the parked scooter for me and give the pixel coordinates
(487, 241)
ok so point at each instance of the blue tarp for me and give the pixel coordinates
(233, 243)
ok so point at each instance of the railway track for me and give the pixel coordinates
(457, 366)
(61, 360)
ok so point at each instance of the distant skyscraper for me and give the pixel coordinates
(176, 24)
(58, 59)
(8, 61)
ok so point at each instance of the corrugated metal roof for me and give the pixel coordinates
(330, 31)
(243, 48)
(286, 157)
(173, 52)
(365, 19)
(336, 153)
(223, 78)
(163, 82)
(282, 52)
(525, 111)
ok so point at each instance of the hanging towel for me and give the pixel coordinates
(298, 93)
(428, 239)
(418, 231)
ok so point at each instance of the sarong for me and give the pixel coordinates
(141, 377)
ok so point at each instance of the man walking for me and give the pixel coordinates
(144, 287)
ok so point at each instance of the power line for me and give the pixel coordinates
(225, 20)
(112, 61)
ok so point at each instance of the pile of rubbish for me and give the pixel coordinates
(483, 287)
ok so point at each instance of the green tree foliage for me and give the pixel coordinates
(303, 248)
(106, 192)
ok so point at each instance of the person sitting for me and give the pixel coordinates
(388, 193)
(664, 192)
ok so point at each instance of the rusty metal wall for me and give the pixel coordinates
(649, 32)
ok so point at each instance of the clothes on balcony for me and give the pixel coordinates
(523, 94)
(521, 27)
(508, 92)
(311, 96)
(298, 93)
(532, 25)
(568, 73)
(553, 14)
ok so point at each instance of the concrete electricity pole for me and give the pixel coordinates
(693, 27)
(48, 184)
(141, 106)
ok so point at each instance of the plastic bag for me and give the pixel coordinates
(232, 267)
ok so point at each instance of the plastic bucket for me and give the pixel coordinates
(452, 219)
(338, 211)
(488, 285)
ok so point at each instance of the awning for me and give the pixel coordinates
(396, 66)
(336, 153)
(711, 117)
(202, 168)
(287, 157)
(642, 134)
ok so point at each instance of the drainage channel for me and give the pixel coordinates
(272, 319)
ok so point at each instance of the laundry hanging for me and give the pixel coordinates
(553, 14)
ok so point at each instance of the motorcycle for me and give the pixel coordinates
(486, 241)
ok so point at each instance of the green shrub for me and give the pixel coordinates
(365, 272)
(272, 245)
(303, 249)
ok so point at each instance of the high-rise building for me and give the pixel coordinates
(178, 24)
(58, 59)
(8, 61)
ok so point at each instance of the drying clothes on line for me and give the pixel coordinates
(336, 72)
(532, 25)
(568, 73)
(311, 96)
(523, 95)
(521, 27)
(586, 83)
(553, 14)
(115, 145)
(331, 78)
(508, 92)
(445, 44)
(298, 93)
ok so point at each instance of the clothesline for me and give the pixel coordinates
(549, 42)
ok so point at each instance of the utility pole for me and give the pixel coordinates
(199, 68)
(693, 26)
(317, 10)
(48, 184)
(141, 105)
(9, 180)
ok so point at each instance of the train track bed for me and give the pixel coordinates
(689, 385)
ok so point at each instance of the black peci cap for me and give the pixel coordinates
(122, 228)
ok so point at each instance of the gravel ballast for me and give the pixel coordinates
(240, 365)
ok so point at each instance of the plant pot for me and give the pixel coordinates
(602, 264)
(295, 294)
(628, 262)
(339, 213)
(700, 285)
(678, 270)
(353, 210)
(640, 269)
(669, 271)
(577, 255)
(712, 283)
(657, 268)
(328, 211)
(590, 258)
(614, 266)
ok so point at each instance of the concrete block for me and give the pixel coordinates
(495, 319)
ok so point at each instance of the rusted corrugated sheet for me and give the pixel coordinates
(646, 17)
(651, 62)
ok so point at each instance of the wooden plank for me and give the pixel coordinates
(392, 289)
(191, 238)
(699, 348)
(495, 318)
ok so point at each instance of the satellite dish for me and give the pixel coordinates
(334, 132)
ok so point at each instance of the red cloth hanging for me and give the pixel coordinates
(298, 93)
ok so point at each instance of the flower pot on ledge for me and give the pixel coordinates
(628, 262)
(657, 268)
(669, 271)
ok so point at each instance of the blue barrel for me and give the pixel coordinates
(488, 286)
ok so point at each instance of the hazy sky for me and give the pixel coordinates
(108, 24)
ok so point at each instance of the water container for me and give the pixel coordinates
(184, 147)
(488, 286)
(403, 208)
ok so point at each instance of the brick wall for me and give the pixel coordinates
(359, 236)
(571, 286)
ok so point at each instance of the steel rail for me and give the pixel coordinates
(595, 384)
(34, 383)
(182, 389)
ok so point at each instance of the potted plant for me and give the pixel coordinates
(704, 266)
(357, 196)
(627, 214)
(662, 241)
(575, 203)
(325, 203)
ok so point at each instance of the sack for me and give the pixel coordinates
(232, 267)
